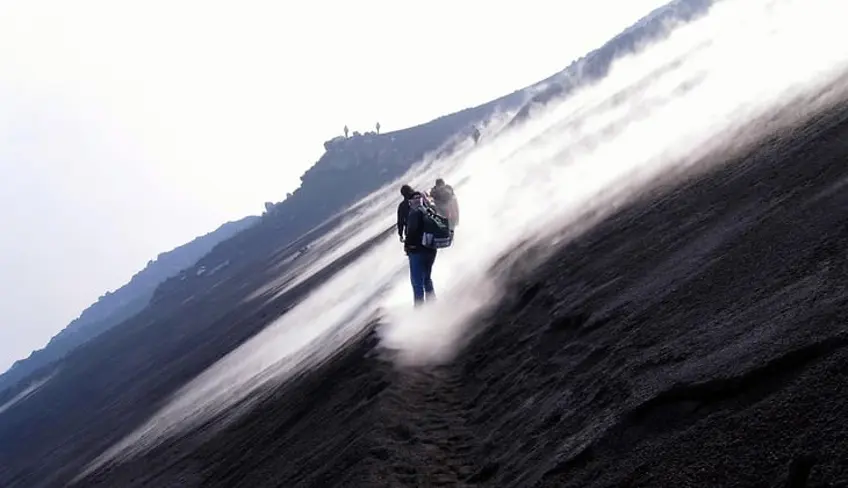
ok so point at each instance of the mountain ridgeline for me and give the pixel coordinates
(351, 168)
(595, 65)
(112, 308)
(169, 325)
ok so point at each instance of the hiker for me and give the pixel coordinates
(403, 209)
(421, 258)
(445, 201)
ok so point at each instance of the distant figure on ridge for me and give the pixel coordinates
(346, 130)
(475, 134)
(378, 127)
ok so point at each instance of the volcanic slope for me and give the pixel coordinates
(697, 338)
(66, 414)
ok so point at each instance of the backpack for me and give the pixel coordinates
(445, 202)
(436, 232)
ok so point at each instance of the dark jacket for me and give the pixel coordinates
(402, 215)
(415, 234)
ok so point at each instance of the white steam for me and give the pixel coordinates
(26, 393)
(652, 118)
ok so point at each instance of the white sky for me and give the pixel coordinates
(129, 128)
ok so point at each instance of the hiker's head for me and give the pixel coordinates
(415, 199)
(440, 182)
(406, 191)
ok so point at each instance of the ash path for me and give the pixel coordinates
(422, 437)
(697, 339)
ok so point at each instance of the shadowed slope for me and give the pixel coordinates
(695, 339)
(108, 387)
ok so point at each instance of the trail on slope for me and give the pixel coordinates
(712, 86)
(421, 437)
(666, 347)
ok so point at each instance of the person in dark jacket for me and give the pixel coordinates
(446, 204)
(403, 209)
(421, 259)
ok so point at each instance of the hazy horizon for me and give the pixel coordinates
(131, 130)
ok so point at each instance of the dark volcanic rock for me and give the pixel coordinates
(695, 339)
(364, 162)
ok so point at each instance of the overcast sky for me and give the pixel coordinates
(129, 128)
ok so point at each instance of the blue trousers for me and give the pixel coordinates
(420, 269)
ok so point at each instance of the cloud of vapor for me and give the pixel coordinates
(654, 117)
(650, 120)
(26, 393)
